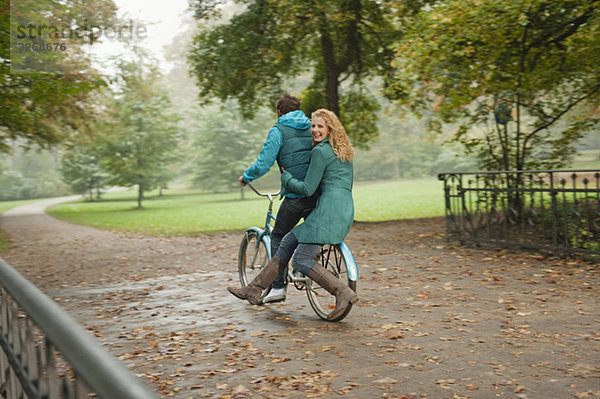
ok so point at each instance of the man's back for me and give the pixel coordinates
(294, 155)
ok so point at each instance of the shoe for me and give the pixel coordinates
(275, 295)
(344, 296)
(248, 292)
(253, 291)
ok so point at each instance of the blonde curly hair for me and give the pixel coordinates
(340, 143)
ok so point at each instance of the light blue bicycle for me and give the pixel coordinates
(255, 253)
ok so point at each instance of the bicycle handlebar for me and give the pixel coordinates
(270, 195)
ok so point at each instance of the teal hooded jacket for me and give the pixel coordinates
(289, 143)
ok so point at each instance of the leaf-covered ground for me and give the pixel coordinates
(434, 320)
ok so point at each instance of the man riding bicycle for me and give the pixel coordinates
(289, 142)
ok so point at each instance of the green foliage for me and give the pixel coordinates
(29, 174)
(15, 186)
(81, 170)
(406, 149)
(359, 114)
(40, 105)
(141, 133)
(225, 144)
(252, 56)
(313, 99)
(536, 62)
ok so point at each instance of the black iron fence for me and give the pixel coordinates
(46, 354)
(556, 210)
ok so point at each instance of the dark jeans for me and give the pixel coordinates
(289, 214)
(303, 254)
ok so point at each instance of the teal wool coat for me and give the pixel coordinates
(332, 218)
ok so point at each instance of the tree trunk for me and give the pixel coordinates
(331, 73)
(506, 149)
(396, 148)
(140, 195)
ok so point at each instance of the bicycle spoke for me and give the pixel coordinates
(316, 291)
(338, 262)
(256, 251)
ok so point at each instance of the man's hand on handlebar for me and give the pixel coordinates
(241, 180)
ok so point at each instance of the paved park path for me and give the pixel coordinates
(434, 320)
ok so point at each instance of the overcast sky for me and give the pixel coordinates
(161, 21)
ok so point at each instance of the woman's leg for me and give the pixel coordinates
(253, 291)
(304, 261)
(304, 257)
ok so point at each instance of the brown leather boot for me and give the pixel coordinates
(344, 296)
(253, 291)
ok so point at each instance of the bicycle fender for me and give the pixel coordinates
(262, 237)
(267, 239)
(351, 265)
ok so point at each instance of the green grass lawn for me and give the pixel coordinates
(175, 213)
(399, 200)
(190, 213)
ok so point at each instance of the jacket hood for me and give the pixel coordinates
(295, 119)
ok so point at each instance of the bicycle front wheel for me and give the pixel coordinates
(253, 256)
(320, 300)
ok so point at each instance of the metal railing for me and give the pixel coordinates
(46, 354)
(555, 210)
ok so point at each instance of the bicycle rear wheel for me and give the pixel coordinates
(253, 256)
(320, 300)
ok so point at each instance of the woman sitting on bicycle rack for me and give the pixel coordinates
(329, 223)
